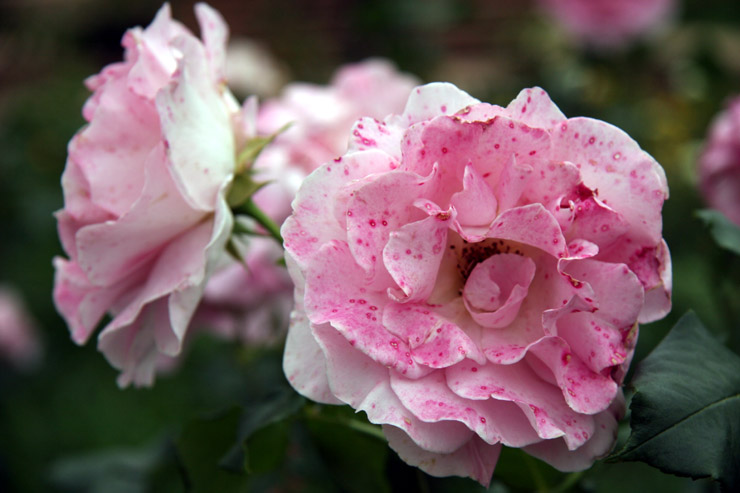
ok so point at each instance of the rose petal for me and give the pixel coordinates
(625, 177)
(431, 100)
(413, 254)
(534, 107)
(556, 453)
(196, 126)
(304, 362)
(585, 391)
(476, 459)
(313, 222)
(475, 204)
(541, 402)
(354, 311)
(497, 287)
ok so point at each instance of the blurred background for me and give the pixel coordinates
(65, 425)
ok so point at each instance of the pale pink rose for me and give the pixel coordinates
(19, 344)
(471, 276)
(145, 217)
(719, 164)
(609, 23)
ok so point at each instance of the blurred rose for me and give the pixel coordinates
(609, 23)
(471, 276)
(321, 119)
(19, 343)
(145, 216)
(719, 163)
(249, 301)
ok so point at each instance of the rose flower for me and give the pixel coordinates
(609, 23)
(472, 276)
(145, 214)
(719, 164)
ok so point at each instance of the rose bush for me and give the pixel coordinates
(473, 276)
(719, 163)
(609, 23)
(145, 216)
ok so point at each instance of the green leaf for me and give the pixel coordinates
(686, 408)
(201, 444)
(725, 232)
(261, 415)
(242, 189)
(355, 455)
(121, 470)
(519, 470)
(266, 447)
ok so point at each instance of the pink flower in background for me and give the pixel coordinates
(253, 303)
(321, 119)
(249, 301)
(471, 276)
(19, 343)
(609, 23)
(145, 217)
(719, 164)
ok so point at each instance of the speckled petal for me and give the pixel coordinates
(413, 254)
(379, 208)
(556, 453)
(215, 34)
(541, 402)
(532, 225)
(434, 99)
(476, 459)
(313, 222)
(431, 400)
(534, 107)
(585, 391)
(625, 177)
(352, 309)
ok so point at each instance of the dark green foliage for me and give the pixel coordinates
(686, 409)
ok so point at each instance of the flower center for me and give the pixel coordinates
(471, 254)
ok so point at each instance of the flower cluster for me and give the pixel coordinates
(471, 276)
(468, 275)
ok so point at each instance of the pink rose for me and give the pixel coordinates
(719, 164)
(19, 343)
(471, 276)
(145, 216)
(609, 23)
